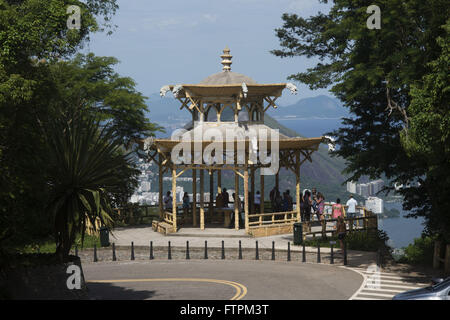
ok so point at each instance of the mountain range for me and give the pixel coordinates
(322, 107)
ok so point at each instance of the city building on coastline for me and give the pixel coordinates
(365, 189)
(375, 204)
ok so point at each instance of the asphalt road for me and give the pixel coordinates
(221, 280)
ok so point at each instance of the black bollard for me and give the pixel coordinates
(289, 252)
(223, 250)
(151, 257)
(332, 255)
(345, 253)
(206, 249)
(169, 252)
(273, 250)
(76, 250)
(304, 253)
(187, 251)
(95, 253)
(240, 250)
(114, 252)
(132, 250)
(318, 252)
(257, 251)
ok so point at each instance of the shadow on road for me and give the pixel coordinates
(108, 291)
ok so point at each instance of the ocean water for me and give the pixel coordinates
(311, 128)
(401, 231)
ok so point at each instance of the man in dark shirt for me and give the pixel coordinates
(225, 197)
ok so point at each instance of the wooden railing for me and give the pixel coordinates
(286, 217)
(369, 223)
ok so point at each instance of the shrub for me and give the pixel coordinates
(420, 252)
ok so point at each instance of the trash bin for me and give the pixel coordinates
(104, 237)
(298, 233)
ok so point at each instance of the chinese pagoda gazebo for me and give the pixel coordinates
(227, 132)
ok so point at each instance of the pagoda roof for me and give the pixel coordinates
(227, 84)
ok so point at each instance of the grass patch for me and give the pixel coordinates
(49, 245)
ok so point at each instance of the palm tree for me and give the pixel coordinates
(87, 167)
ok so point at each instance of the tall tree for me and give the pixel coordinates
(32, 33)
(428, 138)
(41, 81)
(371, 71)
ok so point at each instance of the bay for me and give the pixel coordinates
(401, 231)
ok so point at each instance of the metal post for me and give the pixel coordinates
(304, 253)
(169, 252)
(151, 257)
(132, 250)
(240, 250)
(289, 252)
(332, 255)
(114, 252)
(273, 250)
(95, 253)
(76, 250)
(223, 248)
(187, 251)
(345, 253)
(206, 249)
(318, 252)
(257, 251)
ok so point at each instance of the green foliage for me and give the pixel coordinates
(393, 80)
(86, 169)
(420, 252)
(89, 83)
(49, 245)
(39, 86)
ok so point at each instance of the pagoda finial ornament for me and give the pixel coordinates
(226, 59)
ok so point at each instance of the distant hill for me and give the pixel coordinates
(315, 107)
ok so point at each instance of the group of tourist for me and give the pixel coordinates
(311, 202)
(281, 203)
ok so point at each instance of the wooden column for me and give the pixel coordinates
(219, 181)
(174, 198)
(262, 191)
(160, 188)
(297, 184)
(246, 199)
(236, 208)
(194, 197)
(252, 190)
(202, 202)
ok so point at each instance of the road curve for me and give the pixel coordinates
(217, 279)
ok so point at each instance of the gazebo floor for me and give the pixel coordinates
(211, 231)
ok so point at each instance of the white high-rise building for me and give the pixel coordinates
(145, 186)
(351, 187)
(364, 190)
(377, 186)
(375, 204)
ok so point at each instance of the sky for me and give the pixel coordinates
(180, 41)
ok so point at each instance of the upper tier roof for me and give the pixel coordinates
(227, 77)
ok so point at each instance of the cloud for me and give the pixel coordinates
(210, 17)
